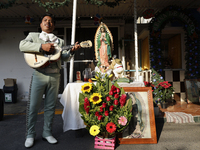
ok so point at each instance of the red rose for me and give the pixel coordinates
(87, 110)
(85, 99)
(116, 102)
(101, 109)
(118, 90)
(104, 105)
(145, 83)
(106, 113)
(97, 113)
(111, 108)
(122, 100)
(108, 98)
(123, 96)
(86, 105)
(111, 93)
(100, 117)
(116, 96)
(113, 88)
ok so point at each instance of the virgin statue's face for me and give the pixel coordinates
(102, 29)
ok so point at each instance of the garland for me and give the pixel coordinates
(104, 2)
(50, 4)
(53, 5)
(192, 57)
(7, 5)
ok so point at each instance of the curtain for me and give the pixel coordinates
(145, 54)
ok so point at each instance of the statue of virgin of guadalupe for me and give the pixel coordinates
(103, 47)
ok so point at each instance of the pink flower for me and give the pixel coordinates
(122, 120)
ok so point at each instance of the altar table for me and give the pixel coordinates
(70, 100)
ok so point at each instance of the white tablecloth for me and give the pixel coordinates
(70, 100)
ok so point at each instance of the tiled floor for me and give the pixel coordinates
(193, 109)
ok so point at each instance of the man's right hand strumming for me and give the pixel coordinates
(48, 47)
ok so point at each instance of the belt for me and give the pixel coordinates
(48, 70)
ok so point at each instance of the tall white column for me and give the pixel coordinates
(136, 38)
(73, 39)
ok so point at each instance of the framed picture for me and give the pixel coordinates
(142, 128)
(192, 89)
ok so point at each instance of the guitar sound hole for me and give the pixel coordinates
(48, 53)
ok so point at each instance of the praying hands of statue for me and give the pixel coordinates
(103, 38)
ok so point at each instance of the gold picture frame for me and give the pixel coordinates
(142, 128)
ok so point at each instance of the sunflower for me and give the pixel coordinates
(86, 87)
(95, 98)
(94, 130)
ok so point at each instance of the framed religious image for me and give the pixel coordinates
(192, 88)
(141, 129)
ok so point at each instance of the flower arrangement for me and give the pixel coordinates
(162, 90)
(104, 107)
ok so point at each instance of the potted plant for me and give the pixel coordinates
(104, 107)
(163, 92)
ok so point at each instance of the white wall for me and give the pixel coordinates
(12, 63)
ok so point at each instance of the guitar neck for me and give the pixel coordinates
(68, 47)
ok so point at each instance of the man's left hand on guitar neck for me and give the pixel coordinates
(75, 47)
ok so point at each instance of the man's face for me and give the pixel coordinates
(47, 24)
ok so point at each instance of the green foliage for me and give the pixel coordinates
(103, 2)
(53, 5)
(4, 5)
(101, 114)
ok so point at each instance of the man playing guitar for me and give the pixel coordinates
(44, 80)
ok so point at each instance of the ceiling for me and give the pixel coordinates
(124, 10)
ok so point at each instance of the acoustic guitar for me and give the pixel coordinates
(39, 60)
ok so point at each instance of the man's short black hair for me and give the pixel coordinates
(50, 15)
